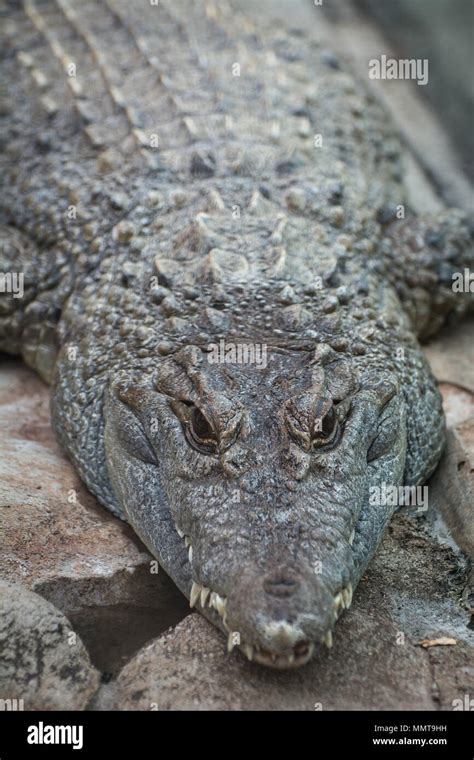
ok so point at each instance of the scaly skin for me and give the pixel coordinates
(249, 484)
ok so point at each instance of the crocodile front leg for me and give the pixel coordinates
(430, 260)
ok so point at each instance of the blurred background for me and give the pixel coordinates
(436, 120)
(443, 32)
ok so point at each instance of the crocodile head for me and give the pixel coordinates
(251, 485)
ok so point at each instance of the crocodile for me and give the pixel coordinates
(225, 286)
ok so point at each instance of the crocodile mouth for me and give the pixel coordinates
(296, 656)
(299, 655)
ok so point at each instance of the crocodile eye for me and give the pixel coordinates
(200, 433)
(326, 429)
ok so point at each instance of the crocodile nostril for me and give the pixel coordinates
(280, 585)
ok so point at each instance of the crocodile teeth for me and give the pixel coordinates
(180, 533)
(218, 603)
(190, 553)
(338, 603)
(187, 541)
(204, 594)
(351, 537)
(195, 594)
(347, 595)
(328, 639)
(230, 642)
(248, 649)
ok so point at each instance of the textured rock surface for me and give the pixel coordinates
(452, 486)
(452, 359)
(58, 542)
(42, 661)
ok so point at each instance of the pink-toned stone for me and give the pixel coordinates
(58, 541)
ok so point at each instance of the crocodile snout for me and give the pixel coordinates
(280, 615)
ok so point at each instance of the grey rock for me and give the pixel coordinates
(452, 486)
(42, 660)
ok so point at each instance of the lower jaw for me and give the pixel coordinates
(284, 660)
(288, 660)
